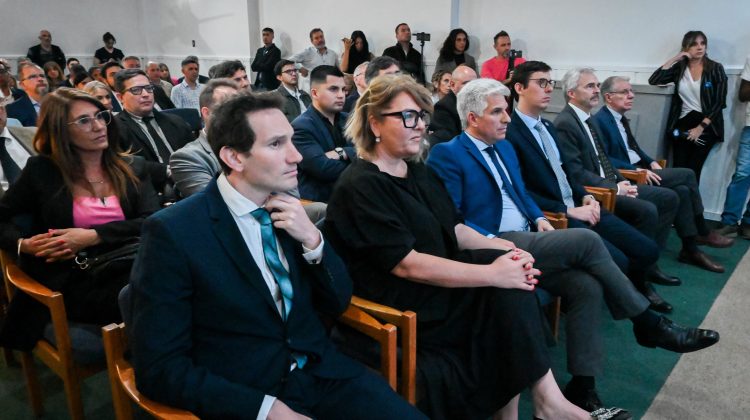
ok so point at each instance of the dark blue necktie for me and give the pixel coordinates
(507, 185)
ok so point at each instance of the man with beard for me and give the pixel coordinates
(34, 83)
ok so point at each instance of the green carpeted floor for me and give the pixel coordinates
(633, 376)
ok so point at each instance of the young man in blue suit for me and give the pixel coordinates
(319, 135)
(625, 153)
(227, 285)
(481, 172)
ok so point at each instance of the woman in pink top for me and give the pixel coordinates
(81, 193)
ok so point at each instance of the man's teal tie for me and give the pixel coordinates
(271, 254)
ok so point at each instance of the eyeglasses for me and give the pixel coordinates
(544, 82)
(623, 92)
(137, 90)
(290, 71)
(410, 117)
(87, 123)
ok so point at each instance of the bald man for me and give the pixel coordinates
(445, 122)
(45, 51)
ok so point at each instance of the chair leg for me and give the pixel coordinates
(32, 383)
(72, 383)
(10, 360)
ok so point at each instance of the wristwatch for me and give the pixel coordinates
(340, 151)
(704, 125)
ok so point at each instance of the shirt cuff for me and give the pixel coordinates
(265, 407)
(313, 256)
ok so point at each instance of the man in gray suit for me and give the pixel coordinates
(194, 165)
(15, 148)
(296, 101)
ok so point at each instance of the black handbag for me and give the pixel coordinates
(106, 265)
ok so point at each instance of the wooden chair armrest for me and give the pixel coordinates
(605, 196)
(638, 177)
(557, 220)
(384, 334)
(662, 162)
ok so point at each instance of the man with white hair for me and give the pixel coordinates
(481, 173)
(360, 86)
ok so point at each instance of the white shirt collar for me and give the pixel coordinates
(238, 204)
(615, 114)
(478, 143)
(6, 133)
(530, 121)
(583, 116)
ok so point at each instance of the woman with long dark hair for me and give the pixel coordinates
(356, 52)
(80, 194)
(54, 75)
(695, 120)
(453, 52)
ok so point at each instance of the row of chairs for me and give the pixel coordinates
(391, 329)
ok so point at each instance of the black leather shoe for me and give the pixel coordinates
(655, 275)
(673, 337)
(700, 259)
(658, 303)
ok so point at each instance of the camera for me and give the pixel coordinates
(422, 36)
(513, 54)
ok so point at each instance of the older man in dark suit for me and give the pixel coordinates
(446, 123)
(224, 320)
(34, 83)
(16, 146)
(319, 135)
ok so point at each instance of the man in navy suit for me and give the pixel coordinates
(549, 184)
(625, 153)
(34, 83)
(227, 284)
(481, 172)
(319, 135)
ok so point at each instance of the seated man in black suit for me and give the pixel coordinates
(319, 135)
(648, 208)
(548, 182)
(446, 123)
(224, 320)
(34, 83)
(146, 131)
(625, 153)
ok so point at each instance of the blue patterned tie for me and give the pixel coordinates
(271, 254)
(562, 180)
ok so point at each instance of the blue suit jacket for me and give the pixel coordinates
(317, 172)
(207, 336)
(612, 140)
(22, 110)
(469, 181)
(536, 169)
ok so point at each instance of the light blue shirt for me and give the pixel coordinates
(511, 219)
(183, 96)
(531, 122)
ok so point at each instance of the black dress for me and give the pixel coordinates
(477, 347)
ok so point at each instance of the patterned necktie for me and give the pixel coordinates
(273, 260)
(10, 168)
(609, 170)
(562, 180)
(162, 150)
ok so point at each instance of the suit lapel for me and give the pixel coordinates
(139, 139)
(323, 132)
(25, 136)
(466, 142)
(229, 236)
(529, 138)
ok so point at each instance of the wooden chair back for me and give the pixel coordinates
(605, 196)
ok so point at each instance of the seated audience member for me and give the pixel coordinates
(109, 70)
(34, 83)
(447, 123)
(7, 88)
(352, 58)
(481, 338)
(317, 54)
(737, 191)
(480, 171)
(83, 195)
(44, 51)
(319, 135)
(96, 73)
(296, 101)
(162, 89)
(108, 52)
(195, 165)
(360, 86)
(650, 209)
(453, 52)
(101, 92)
(54, 75)
(234, 70)
(381, 65)
(441, 85)
(16, 146)
(264, 63)
(201, 78)
(624, 152)
(69, 65)
(500, 68)
(552, 189)
(81, 78)
(131, 62)
(165, 75)
(405, 53)
(145, 131)
(185, 94)
(251, 285)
